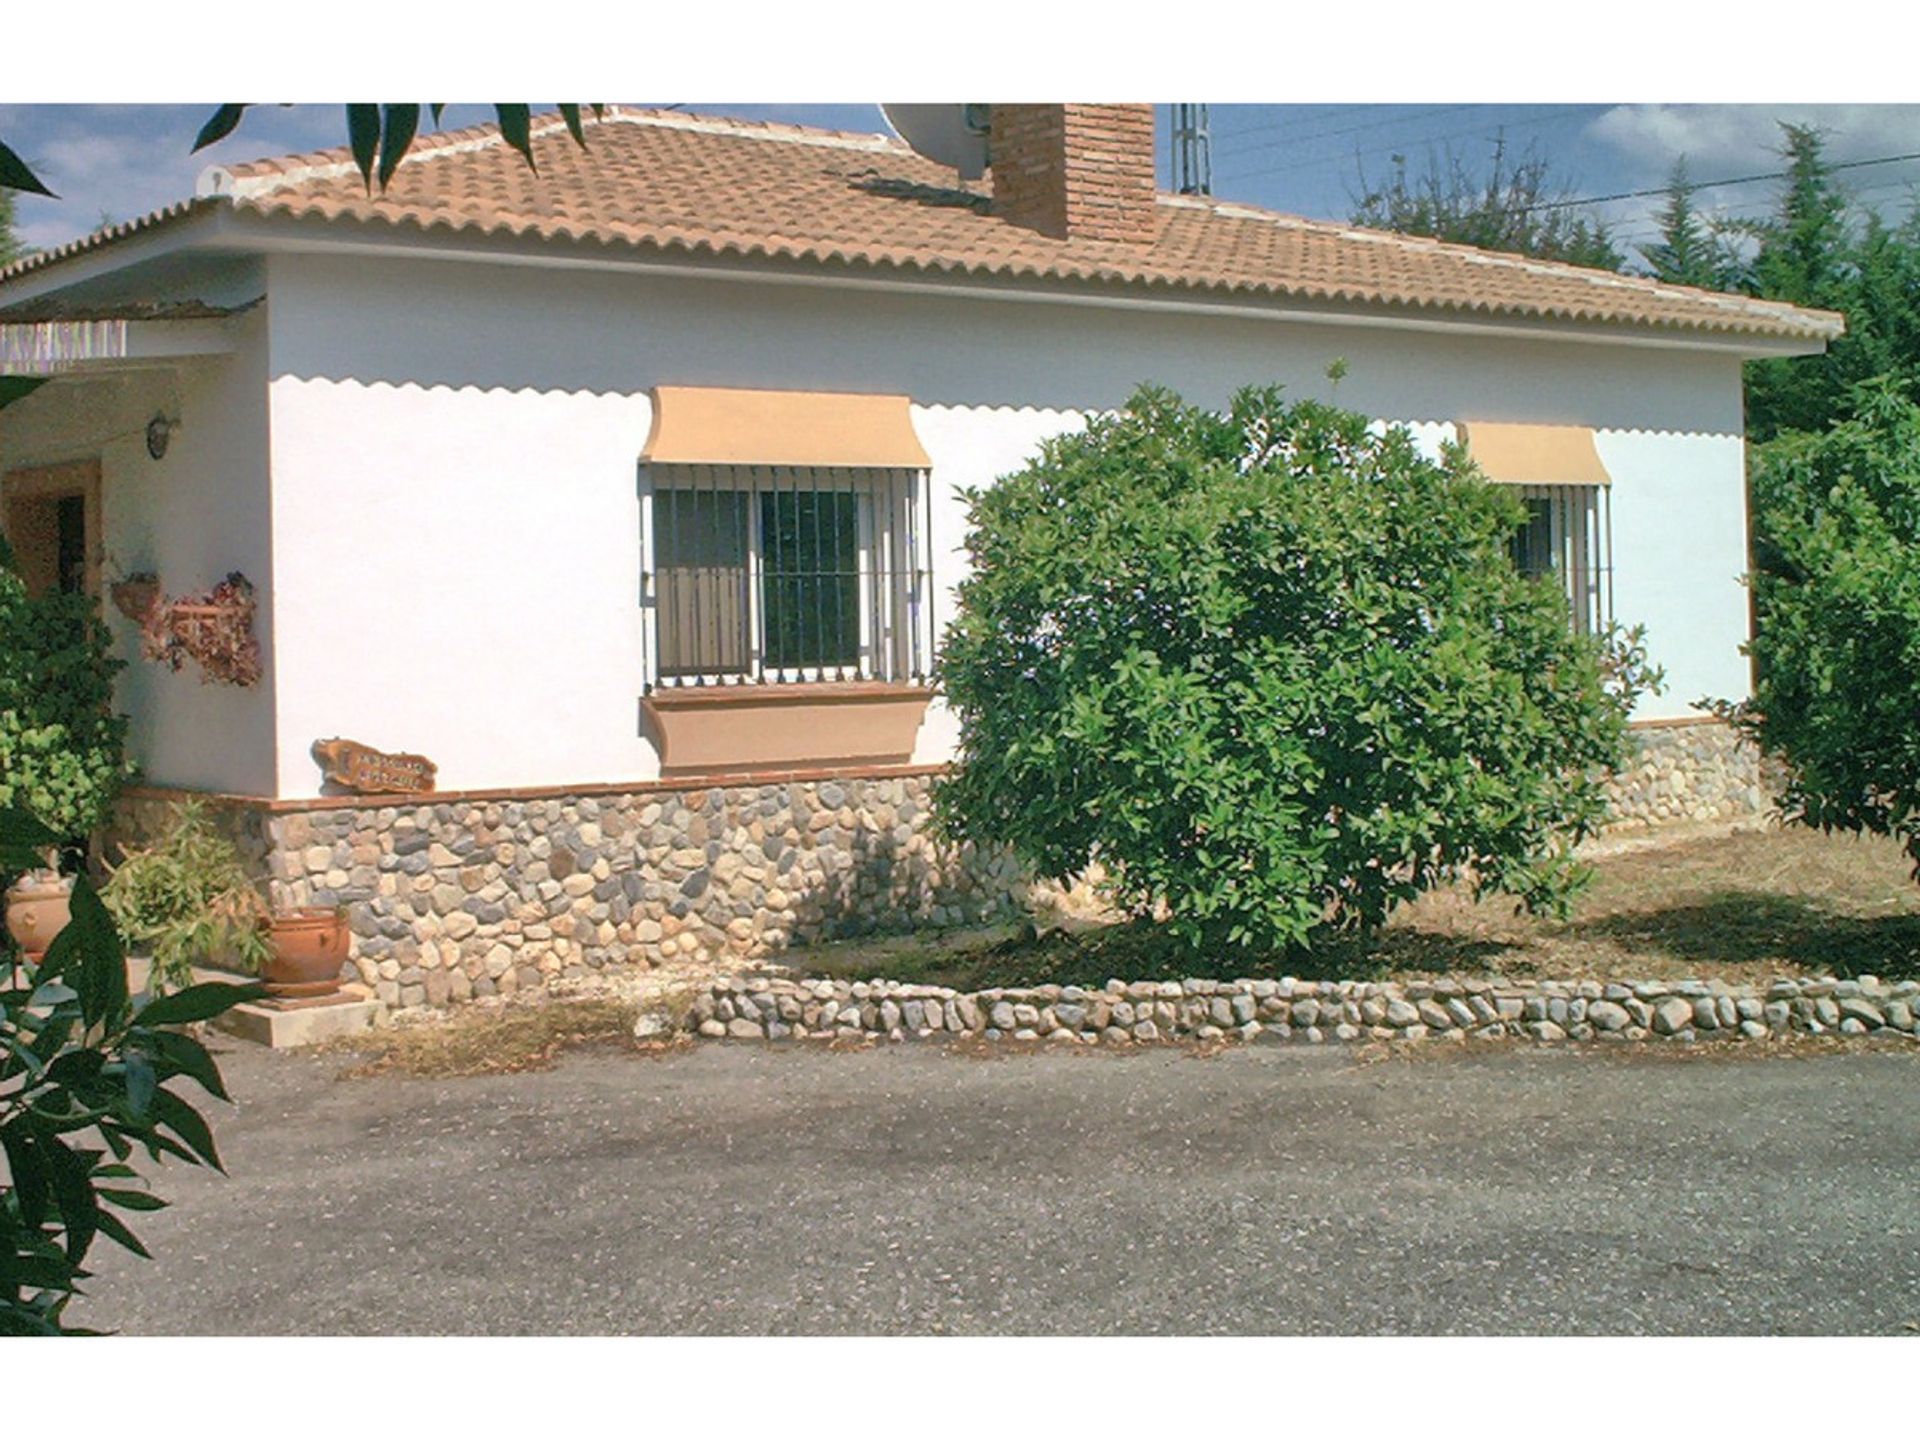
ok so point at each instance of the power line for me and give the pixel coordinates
(1315, 113)
(1644, 228)
(1392, 146)
(1709, 184)
(1328, 134)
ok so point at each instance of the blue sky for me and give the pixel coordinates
(123, 160)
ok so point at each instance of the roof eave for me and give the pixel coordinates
(216, 220)
(295, 234)
(188, 226)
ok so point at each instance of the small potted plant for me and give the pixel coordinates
(307, 948)
(188, 900)
(134, 596)
(39, 904)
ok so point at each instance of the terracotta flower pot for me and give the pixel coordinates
(309, 947)
(134, 597)
(38, 908)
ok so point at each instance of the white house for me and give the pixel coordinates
(623, 490)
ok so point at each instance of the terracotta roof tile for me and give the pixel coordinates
(704, 186)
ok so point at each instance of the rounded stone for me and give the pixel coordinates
(1672, 1015)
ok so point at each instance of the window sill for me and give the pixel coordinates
(715, 729)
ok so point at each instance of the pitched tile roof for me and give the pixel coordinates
(697, 186)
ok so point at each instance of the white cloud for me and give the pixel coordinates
(1722, 140)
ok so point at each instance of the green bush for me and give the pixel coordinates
(1836, 646)
(189, 900)
(62, 747)
(1274, 670)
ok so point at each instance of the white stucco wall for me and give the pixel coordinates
(454, 451)
(191, 518)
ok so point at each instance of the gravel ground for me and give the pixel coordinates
(916, 1190)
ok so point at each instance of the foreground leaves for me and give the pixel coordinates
(87, 1077)
(16, 174)
(381, 135)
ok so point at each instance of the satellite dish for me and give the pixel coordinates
(951, 135)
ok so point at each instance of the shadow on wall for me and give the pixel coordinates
(463, 325)
(842, 866)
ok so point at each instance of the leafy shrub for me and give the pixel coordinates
(62, 749)
(1274, 670)
(188, 899)
(79, 1063)
(1836, 587)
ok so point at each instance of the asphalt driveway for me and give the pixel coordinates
(912, 1190)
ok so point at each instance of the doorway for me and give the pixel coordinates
(51, 515)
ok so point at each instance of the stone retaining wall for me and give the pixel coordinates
(1145, 1012)
(1690, 771)
(456, 897)
(453, 899)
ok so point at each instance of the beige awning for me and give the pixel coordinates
(1535, 454)
(698, 426)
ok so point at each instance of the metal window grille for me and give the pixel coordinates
(1568, 533)
(770, 575)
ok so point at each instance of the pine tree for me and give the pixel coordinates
(1689, 252)
(1803, 253)
(1883, 309)
(1807, 256)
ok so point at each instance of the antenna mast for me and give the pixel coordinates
(1192, 151)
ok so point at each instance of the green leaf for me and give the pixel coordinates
(184, 1055)
(115, 1229)
(141, 1083)
(32, 1187)
(16, 174)
(133, 1199)
(571, 114)
(19, 1320)
(363, 136)
(402, 123)
(196, 1002)
(181, 1118)
(88, 954)
(219, 125)
(40, 1272)
(24, 841)
(75, 1067)
(435, 111)
(73, 1189)
(516, 122)
(12, 388)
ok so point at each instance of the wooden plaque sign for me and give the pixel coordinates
(367, 771)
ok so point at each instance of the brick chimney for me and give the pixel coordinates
(1076, 172)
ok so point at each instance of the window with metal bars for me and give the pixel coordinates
(760, 574)
(1568, 534)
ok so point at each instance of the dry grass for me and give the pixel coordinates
(1745, 906)
(493, 1042)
